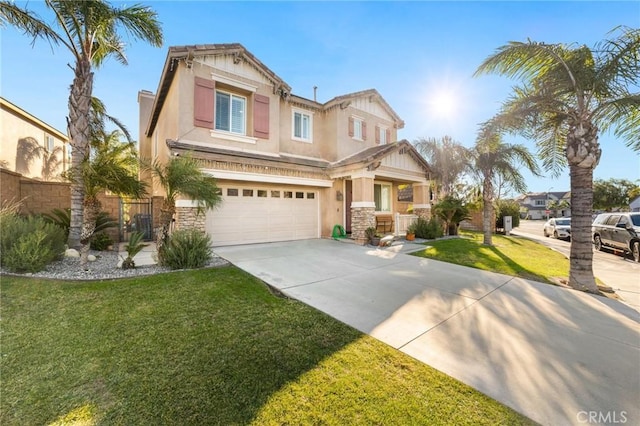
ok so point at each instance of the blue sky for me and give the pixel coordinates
(416, 54)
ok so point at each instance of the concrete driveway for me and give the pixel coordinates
(558, 356)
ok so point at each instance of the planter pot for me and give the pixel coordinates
(375, 241)
(410, 237)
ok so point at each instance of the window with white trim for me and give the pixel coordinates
(357, 129)
(49, 142)
(382, 197)
(302, 128)
(231, 112)
(383, 135)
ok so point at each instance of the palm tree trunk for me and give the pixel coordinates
(487, 211)
(92, 208)
(166, 217)
(78, 122)
(583, 154)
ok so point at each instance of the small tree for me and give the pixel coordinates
(452, 211)
(182, 176)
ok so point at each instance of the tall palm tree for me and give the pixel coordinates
(493, 159)
(569, 94)
(182, 176)
(112, 165)
(448, 160)
(91, 30)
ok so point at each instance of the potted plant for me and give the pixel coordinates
(411, 231)
(372, 236)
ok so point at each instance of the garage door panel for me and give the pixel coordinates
(252, 219)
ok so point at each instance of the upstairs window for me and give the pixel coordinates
(49, 143)
(357, 128)
(231, 112)
(302, 126)
(383, 135)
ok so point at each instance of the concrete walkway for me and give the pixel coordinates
(555, 355)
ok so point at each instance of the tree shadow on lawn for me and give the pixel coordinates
(202, 347)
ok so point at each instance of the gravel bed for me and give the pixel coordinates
(105, 267)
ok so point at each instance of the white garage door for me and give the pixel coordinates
(262, 214)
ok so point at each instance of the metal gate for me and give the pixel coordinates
(136, 216)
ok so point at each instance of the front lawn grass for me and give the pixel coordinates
(509, 255)
(202, 347)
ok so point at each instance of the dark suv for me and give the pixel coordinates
(620, 231)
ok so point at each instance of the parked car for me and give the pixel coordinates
(559, 228)
(620, 231)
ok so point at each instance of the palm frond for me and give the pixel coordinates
(27, 21)
(623, 116)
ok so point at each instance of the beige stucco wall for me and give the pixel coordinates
(15, 127)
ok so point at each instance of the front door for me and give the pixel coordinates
(348, 196)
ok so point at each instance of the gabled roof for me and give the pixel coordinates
(372, 94)
(188, 53)
(6, 105)
(373, 154)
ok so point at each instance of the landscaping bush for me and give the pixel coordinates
(101, 241)
(507, 208)
(428, 229)
(62, 218)
(28, 244)
(186, 249)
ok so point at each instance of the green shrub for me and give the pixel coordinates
(428, 229)
(28, 244)
(507, 208)
(186, 249)
(62, 218)
(101, 241)
(135, 246)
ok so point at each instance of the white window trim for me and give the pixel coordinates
(293, 127)
(235, 137)
(390, 200)
(47, 138)
(233, 82)
(231, 95)
(383, 134)
(361, 120)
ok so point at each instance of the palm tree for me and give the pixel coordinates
(112, 165)
(491, 159)
(448, 160)
(182, 176)
(90, 31)
(569, 94)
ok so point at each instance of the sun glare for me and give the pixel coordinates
(443, 104)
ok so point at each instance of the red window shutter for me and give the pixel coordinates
(351, 126)
(203, 102)
(388, 138)
(377, 135)
(261, 116)
(364, 130)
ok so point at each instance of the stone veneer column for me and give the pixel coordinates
(361, 219)
(188, 217)
(363, 207)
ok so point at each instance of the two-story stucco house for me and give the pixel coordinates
(288, 167)
(30, 146)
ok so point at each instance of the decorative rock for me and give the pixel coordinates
(91, 258)
(71, 253)
(386, 241)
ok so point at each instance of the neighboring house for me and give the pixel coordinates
(288, 167)
(543, 205)
(634, 205)
(30, 146)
